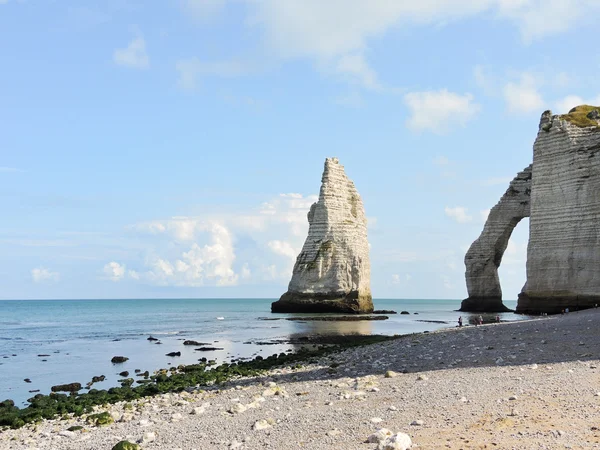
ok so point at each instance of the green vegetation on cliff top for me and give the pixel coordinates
(579, 116)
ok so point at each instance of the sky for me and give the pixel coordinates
(172, 149)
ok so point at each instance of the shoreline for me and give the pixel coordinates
(84, 349)
(456, 389)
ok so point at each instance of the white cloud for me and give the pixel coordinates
(191, 69)
(458, 213)
(114, 271)
(439, 111)
(441, 161)
(336, 33)
(495, 181)
(540, 18)
(483, 214)
(41, 275)
(203, 10)
(283, 248)
(484, 79)
(134, 55)
(398, 279)
(224, 249)
(523, 96)
(564, 105)
(246, 272)
(355, 66)
(352, 100)
(199, 265)
(134, 275)
(515, 253)
(447, 282)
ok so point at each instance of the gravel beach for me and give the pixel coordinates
(522, 385)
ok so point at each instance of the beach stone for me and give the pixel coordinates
(391, 374)
(332, 272)
(71, 387)
(376, 420)
(144, 423)
(422, 378)
(512, 397)
(118, 359)
(379, 435)
(68, 434)
(148, 437)
(261, 425)
(176, 417)
(417, 423)
(126, 445)
(398, 441)
(237, 408)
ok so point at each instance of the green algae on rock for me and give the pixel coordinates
(179, 379)
(126, 445)
(100, 419)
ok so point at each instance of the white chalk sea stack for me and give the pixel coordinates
(332, 272)
(563, 254)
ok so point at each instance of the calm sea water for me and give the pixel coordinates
(80, 337)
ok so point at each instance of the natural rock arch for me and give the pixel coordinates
(485, 254)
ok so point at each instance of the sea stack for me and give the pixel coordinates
(563, 254)
(332, 272)
(485, 254)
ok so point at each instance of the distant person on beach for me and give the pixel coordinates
(480, 320)
(566, 310)
(460, 321)
(497, 318)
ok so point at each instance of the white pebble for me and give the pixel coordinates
(261, 425)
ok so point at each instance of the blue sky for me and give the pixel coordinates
(172, 149)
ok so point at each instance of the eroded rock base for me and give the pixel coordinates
(483, 304)
(353, 303)
(555, 303)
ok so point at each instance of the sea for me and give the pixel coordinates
(51, 342)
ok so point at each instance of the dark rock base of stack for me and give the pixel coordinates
(483, 304)
(351, 303)
(555, 303)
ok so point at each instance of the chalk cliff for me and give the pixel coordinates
(485, 254)
(332, 272)
(563, 255)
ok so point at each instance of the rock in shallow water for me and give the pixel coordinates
(332, 272)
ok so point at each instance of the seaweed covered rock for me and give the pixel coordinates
(126, 445)
(332, 272)
(71, 387)
(119, 359)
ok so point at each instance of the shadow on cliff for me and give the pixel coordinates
(573, 337)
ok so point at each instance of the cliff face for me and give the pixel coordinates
(563, 255)
(485, 254)
(332, 272)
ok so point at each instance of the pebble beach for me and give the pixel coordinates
(531, 384)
